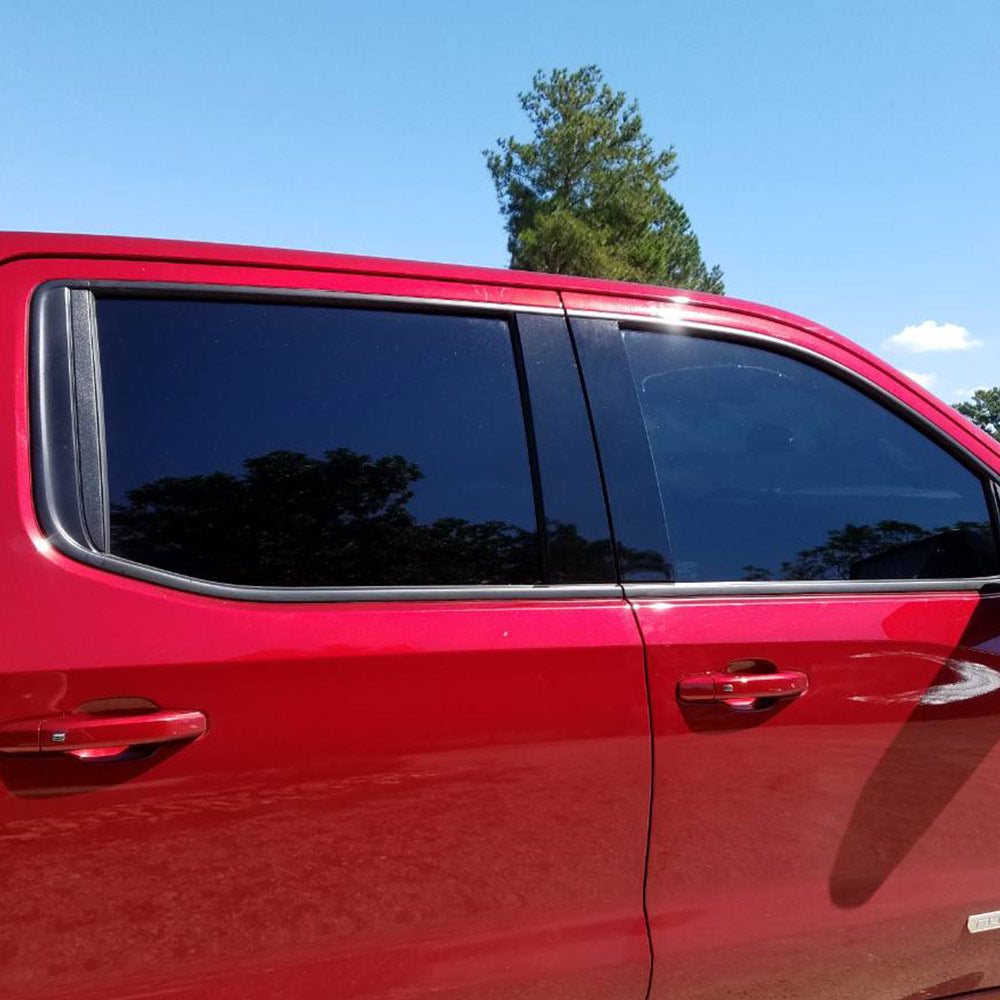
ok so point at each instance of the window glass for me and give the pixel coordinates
(290, 445)
(770, 469)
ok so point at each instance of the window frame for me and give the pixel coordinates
(594, 375)
(68, 454)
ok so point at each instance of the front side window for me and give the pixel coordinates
(770, 469)
(284, 445)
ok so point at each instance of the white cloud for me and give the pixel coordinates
(932, 336)
(926, 380)
(961, 394)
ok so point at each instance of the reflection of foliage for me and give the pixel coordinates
(292, 520)
(575, 559)
(847, 546)
(751, 572)
(846, 549)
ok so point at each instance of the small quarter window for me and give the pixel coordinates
(770, 469)
(286, 445)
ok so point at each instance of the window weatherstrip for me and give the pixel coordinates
(802, 588)
(991, 488)
(209, 291)
(89, 421)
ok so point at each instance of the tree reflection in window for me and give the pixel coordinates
(341, 520)
(889, 550)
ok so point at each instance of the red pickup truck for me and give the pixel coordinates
(402, 631)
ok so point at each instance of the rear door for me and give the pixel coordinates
(810, 564)
(312, 508)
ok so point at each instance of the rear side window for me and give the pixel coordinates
(284, 445)
(770, 469)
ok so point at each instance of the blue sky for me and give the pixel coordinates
(838, 159)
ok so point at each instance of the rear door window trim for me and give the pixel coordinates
(70, 479)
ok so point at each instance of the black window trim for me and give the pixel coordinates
(70, 484)
(989, 478)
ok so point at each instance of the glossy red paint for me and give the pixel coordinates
(452, 799)
(390, 801)
(409, 800)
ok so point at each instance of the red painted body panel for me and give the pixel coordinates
(451, 799)
(406, 800)
(398, 801)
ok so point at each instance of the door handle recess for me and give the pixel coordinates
(85, 733)
(741, 690)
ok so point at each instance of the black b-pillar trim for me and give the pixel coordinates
(633, 493)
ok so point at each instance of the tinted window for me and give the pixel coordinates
(289, 445)
(770, 469)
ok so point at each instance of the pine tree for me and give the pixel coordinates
(587, 194)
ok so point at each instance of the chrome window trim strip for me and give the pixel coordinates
(806, 588)
(214, 290)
